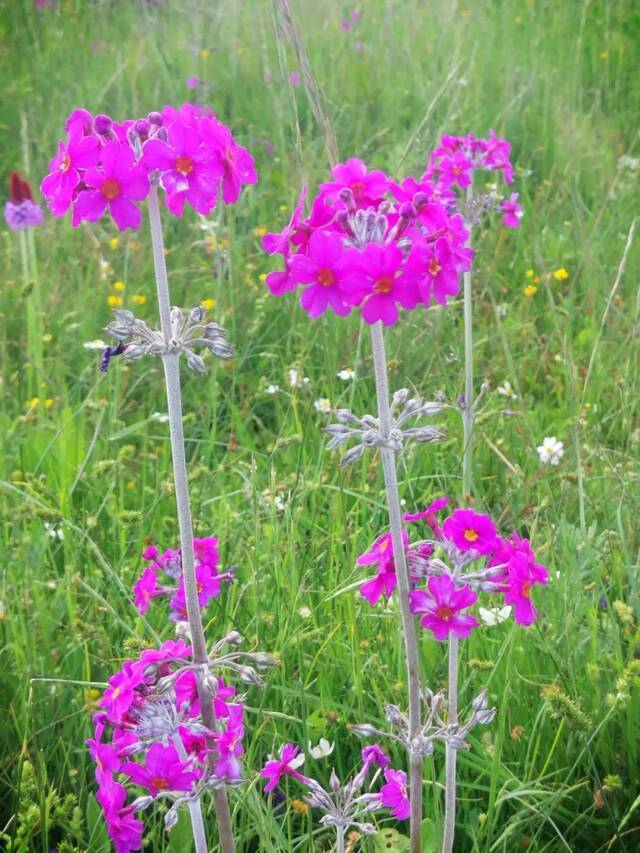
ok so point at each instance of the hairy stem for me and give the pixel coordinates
(195, 810)
(174, 407)
(450, 753)
(340, 831)
(402, 575)
(468, 413)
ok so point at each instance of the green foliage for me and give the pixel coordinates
(83, 454)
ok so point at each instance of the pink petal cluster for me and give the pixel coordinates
(371, 244)
(208, 577)
(479, 560)
(393, 794)
(456, 157)
(285, 765)
(138, 730)
(104, 165)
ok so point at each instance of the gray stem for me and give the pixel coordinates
(403, 578)
(195, 809)
(468, 413)
(171, 365)
(450, 753)
(340, 830)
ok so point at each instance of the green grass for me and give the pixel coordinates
(559, 79)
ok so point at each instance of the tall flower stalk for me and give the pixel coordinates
(416, 760)
(171, 364)
(468, 407)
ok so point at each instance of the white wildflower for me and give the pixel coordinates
(505, 390)
(160, 417)
(95, 344)
(322, 405)
(551, 451)
(322, 750)
(347, 374)
(272, 389)
(494, 615)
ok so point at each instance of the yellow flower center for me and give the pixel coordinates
(110, 189)
(66, 163)
(434, 267)
(383, 285)
(471, 535)
(184, 165)
(326, 277)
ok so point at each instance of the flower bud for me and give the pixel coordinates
(143, 128)
(362, 729)
(102, 124)
(155, 119)
(419, 200)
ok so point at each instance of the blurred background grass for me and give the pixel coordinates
(85, 465)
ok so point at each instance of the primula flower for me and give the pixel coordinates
(512, 211)
(116, 186)
(393, 794)
(385, 581)
(328, 272)
(456, 170)
(80, 152)
(471, 531)
(189, 171)
(124, 829)
(434, 267)
(163, 770)
(145, 589)
(519, 572)
(367, 187)
(286, 765)
(374, 754)
(20, 210)
(429, 513)
(234, 161)
(385, 286)
(229, 745)
(441, 607)
(119, 696)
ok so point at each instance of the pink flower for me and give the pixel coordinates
(393, 794)
(117, 186)
(374, 754)
(429, 513)
(234, 160)
(328, 272)
(229, 745)
(294, 78)
(192, 82)
(119, 696)
(162, 771)
(367, 187)
(385, 285)
(80, 152)
(208, 585)
(456, 169)
(385, 581)
(274, 243)
(471, 531)
(285, 765)
(441, 607)
(519, 573)
(145, 589)
(188, 171)
(106, 759)
(125, 830)
(512, 211)
(434, 267)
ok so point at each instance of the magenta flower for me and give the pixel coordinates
(80, 152)
(429, 513)
(456, 169)
(188, 171)
(106, 759)
(441, 606)
(366, 187)
(119, 184)
(380, 554)
(471, 531)
(393, 794)
(163, 770)
(385, 285)
(229, 746)
(145, 589)
(235, 161)
(294, 78)
(285, 765)
(519, 573)
(125, 830)
(434, 267)
(374, 754)
(192, 82)
(278, 243)
(119, 696)
(328, 272)
(512, 211)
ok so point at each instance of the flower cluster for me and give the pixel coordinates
(107, 165)
(158, 742)
(373, 244)
(456, 158)
(208, 577)
(20, 210)
(463, 556)
(343, 805)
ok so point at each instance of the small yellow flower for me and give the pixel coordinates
(224, 243)
(118, 285)
(114, 242)
(260, 231)
(283, 208)
(209, 304)
(561, 274)
(131, 484)
(604, 54)
(138, 298)
(114, 301)
(48, 403)
(530, 290)
(33, 403)
(300, 807)
(263, 277)
(46, 339)
(204, 54)
(529, 273)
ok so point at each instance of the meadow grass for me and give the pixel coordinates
(559, 769)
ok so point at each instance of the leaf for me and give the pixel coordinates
(180, 838)
(390, 840)
(97, 830)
